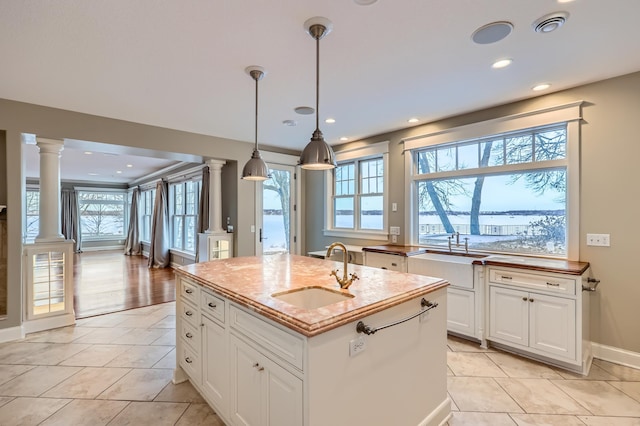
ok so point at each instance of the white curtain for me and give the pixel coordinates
(203, 208)
(70, 220)
(132, 243)
(159, 256)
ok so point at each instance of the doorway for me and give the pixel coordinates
(277, 219)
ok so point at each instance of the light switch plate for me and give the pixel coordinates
(601, 240)
(357, 345)
(394, 230)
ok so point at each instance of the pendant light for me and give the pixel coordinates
(256, 169)
(318, 155)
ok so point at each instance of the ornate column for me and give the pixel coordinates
(215, 196)
(49, 215)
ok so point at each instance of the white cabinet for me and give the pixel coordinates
(392, 262)
(215, 246)
(542, 315)
(263, 393)
(461, 311)
(215, 377)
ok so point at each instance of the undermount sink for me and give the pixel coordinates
(312, 297)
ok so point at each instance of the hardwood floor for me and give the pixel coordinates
(109, 281)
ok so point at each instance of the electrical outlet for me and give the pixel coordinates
(601, 240)
(394, 230)
(357, 345)
(394, 238)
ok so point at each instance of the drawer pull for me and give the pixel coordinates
(188, 313)
(554, 284)
(189, 360)
(189, 335)
(525, 298)
(506, 277)
(531, 300)
(394, 264)
(211, 305)
(258, 367)
(188, 291)
(384, 267)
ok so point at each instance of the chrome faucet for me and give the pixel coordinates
(456, 235)
(345, 281)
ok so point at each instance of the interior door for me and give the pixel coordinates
(276, 212)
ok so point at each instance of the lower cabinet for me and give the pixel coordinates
(392, 262)
(215, 380)
(461, 311)
(262, 392)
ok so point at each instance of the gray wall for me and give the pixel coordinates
(18, 117)
(609, 198)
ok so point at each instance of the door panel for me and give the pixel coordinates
(276, 212)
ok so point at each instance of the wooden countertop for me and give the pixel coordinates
(537, 264)
(250, 282)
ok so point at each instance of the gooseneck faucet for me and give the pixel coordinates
(347, 279)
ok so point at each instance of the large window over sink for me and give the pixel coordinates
(509, 192)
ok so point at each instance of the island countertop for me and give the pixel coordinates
(250, 282)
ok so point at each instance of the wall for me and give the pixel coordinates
(18, 117)
(609, 203)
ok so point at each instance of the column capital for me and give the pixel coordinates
(50, 145)
(215, 164)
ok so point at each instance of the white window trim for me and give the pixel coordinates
(570, 113)
(359, 153)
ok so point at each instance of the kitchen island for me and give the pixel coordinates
(273, 340)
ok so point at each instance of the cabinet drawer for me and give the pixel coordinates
(391, 262)
(190, 335)
(191, 363)
(533, 281)
(190, 291)
(189, 314)
(281, 343)
(212, 306)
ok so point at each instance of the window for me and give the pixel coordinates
(510, 192)
(32, 219)
(102, 214)
(184, 198)
(146, 213)
(357, 200)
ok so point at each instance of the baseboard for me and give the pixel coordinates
(103, 248)
(440, 415)
(48, 323)
(616, 355)
(11, 333)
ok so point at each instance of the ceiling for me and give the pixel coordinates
(180, 64)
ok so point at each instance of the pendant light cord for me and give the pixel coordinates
(317, 37)
(256, 136)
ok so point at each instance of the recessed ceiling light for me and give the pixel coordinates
(304, 110)
(88, 152)
(129, 165)
(492, 32)
(290, 123)
(412, 120)
(93, 174)
(118, 171)
(344, 139)
(502, 63)
(330, 120)
(542, 86)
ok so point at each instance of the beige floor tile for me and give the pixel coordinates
(29, 411)
(5, 399)
(37, 381)
(139, 336)
(199, 415)
(481, 419)
(150, 413)
(13, 352)
(87, 384)
(95, 355)
(8, 372)
(168, 361)
(620, 371)
(167, 322)
(167, 339)
(182, 392)
(457, 344)
(140, 356)
(138, 385)
(600, 398)
(59, 335)
(546, 420)
(102, 336)
(519, 367)
(595, 373)
(108, 321)
(141, 321)
(449, 372)
(630, 388)
(610, 421)
(454, 407)
(480, 394)
(540, 396)
(54, 354)
(473, 365)
(88, 412)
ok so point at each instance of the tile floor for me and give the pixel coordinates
(116, 369)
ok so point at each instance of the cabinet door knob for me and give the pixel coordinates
(531, 300)
(211, 305)
(525, 298)
(258, 367)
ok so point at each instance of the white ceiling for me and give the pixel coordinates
(180, 64)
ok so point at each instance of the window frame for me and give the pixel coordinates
(172, 214)
(356, 156)
(570, 114)
(125, 212)
(147, 199)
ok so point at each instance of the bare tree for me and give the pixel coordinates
(279, 182)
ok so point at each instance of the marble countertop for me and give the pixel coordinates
(250, 282)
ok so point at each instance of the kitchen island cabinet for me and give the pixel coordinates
(271, 362)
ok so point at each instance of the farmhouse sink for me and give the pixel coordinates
(312, 297)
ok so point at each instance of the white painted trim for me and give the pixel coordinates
(279, 158)
(441, 414)
(103, 248)
(49, 323)
(363, 152)
(12, 333)
(616, 355)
